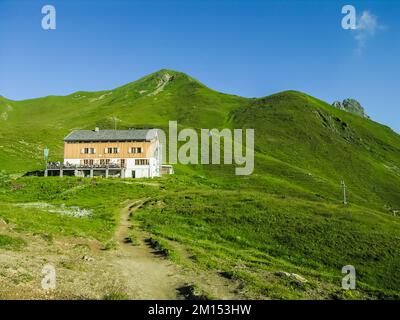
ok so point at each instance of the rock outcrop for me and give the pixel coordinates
(162, 82)
(352, 106)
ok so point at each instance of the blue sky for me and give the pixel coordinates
(248, 48)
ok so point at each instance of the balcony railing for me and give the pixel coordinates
(60, 165)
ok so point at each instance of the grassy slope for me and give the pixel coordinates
(304, 132)
(251, 236)
(286, 216)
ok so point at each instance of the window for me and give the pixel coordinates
(111, 150)
(104, 162)
(142, 162)
(135, 150)
(88, 162)
(88, 150)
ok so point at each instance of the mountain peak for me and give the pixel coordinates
(164, 71)
(164, 78)
(169, 73)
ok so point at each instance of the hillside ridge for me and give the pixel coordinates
(157, 75)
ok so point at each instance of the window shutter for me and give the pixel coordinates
(82, 150)
(94, 150)
(117, 150)
(105, 150)
(129, 150)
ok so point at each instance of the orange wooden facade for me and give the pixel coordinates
(73, 150)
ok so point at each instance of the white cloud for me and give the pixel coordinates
(367, 27)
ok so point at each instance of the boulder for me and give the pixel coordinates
(297, 279)
(87, 258)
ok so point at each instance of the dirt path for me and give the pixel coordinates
(86, 271)
(147, 275)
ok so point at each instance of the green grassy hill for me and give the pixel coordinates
(31, 124)
(286, 216)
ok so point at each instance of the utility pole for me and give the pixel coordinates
(343, 185)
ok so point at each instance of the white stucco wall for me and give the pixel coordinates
(141, 171)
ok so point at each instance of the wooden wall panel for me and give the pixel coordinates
(72, 150)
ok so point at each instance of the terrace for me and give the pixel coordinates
(85, 170)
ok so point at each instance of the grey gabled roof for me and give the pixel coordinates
(112, 135)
